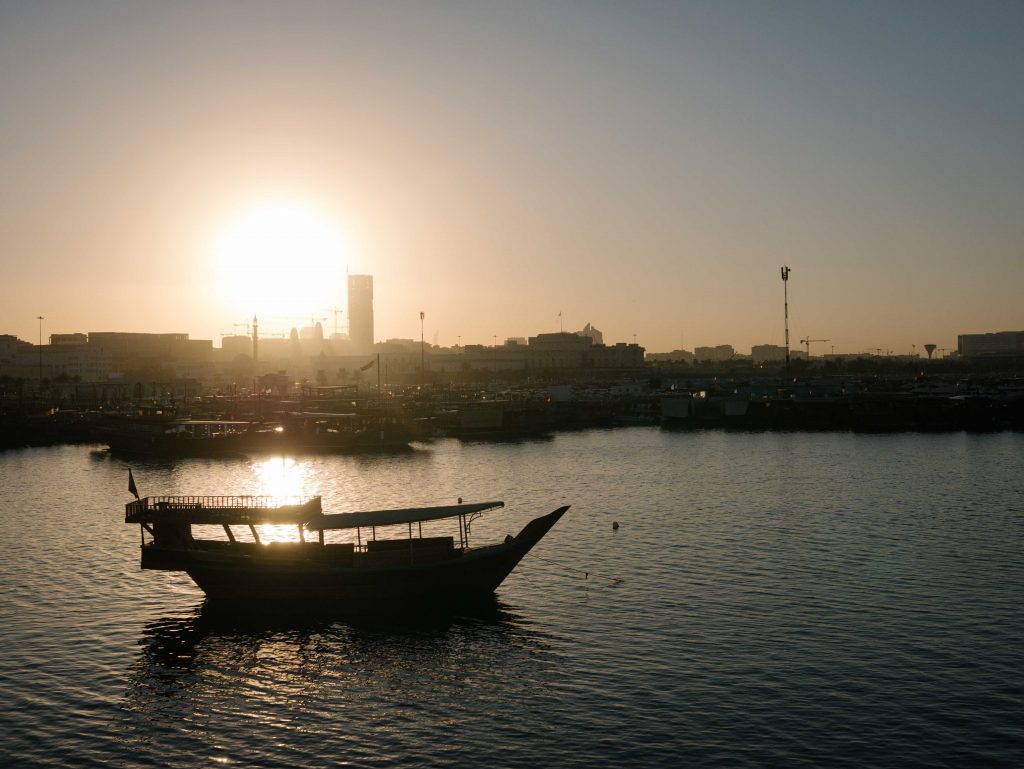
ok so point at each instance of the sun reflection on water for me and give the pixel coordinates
(285, 479)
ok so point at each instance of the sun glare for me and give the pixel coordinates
(280, 259)
(286, 480)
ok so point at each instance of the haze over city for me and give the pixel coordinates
(646, 167)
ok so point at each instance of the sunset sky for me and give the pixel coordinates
(646, 167)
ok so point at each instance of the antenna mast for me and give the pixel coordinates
(785, 299)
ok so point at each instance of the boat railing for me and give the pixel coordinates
(216, 502)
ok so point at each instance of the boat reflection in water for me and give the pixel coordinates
(188, 641)
(291, 691)
(174, 648)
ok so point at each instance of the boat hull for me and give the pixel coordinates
(142, 444)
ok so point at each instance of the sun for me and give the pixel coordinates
(280, 259)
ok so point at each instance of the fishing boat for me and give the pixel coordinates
(188, 437)
(338, 561)
(317, 432)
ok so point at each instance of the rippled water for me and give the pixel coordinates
(784, 599)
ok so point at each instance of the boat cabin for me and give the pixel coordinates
(168, 542)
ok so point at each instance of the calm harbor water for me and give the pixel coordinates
(770, 599)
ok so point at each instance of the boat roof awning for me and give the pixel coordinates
(398, 516)
(202, 422)
(322, 414)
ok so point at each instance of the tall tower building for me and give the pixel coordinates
(360, 312)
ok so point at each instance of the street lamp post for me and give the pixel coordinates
(423, 368)
(40, 319)
(785, 299)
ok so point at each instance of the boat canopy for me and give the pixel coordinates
(393, 517)
(203, 422)
(222, 510)
(322, 414)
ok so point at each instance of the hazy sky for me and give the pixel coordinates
(646, 167)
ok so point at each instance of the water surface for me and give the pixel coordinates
(769, 599)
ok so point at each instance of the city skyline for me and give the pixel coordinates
(317, 329)
(647, 169)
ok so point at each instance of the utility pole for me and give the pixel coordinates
(423, 369)
(40, 319)
(785, 299)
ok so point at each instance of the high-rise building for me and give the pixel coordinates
(360, 312)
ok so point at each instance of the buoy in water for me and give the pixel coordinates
(615, 525)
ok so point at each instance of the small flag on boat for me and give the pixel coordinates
(368, 366)
(131, 484)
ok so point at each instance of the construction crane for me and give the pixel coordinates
(314, 321)
(237, 326)
(337, 311)
(808, 342)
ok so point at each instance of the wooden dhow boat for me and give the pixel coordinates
(175, 438)
(362, 574)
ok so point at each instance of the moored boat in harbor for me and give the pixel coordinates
(317, 432)
(353, 574)
(188, 437)
(295, 433)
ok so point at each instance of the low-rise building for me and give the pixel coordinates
(77, 338)
(131, 350)
(617, 356)
(76, 362)
(717, 354)
(997, 344)
(561, 350)
(233, 346)
(767, 353)
(676, 356)
(10, 346)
